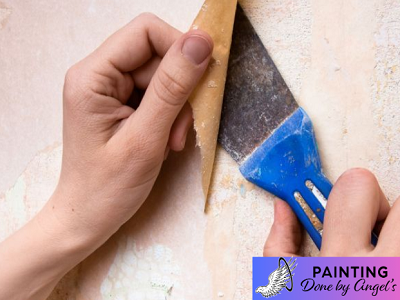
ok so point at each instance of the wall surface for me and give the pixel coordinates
(341, 60)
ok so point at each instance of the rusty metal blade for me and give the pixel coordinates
(257, 99)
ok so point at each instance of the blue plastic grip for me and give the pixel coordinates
(285, 162)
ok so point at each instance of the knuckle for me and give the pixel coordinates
(355, 184)
(75, 88)
(277, 250)
(270, 249)
(72, 75)
(170, 88)
(267, 252)
(359, 175)
(146, 17)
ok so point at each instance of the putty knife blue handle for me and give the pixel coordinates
(268, 134)
(288, 165)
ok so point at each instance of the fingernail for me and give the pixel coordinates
(196, 49)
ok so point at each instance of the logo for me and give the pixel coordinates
(279, 279)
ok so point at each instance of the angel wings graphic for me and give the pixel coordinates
(279, 279)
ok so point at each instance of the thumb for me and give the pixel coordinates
(175, 79)
(286, 233)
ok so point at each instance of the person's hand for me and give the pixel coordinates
(115, 142)
(112, 152)
(356, 206)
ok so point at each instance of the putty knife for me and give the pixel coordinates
(268, 134)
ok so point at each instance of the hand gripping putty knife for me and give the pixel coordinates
(268, 134)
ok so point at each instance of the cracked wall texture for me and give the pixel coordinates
(341, 60)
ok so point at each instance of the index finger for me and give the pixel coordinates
(355, 205)
(133, 45)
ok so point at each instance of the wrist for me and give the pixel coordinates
(39, 255)
(64, 225)
(44, 250)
